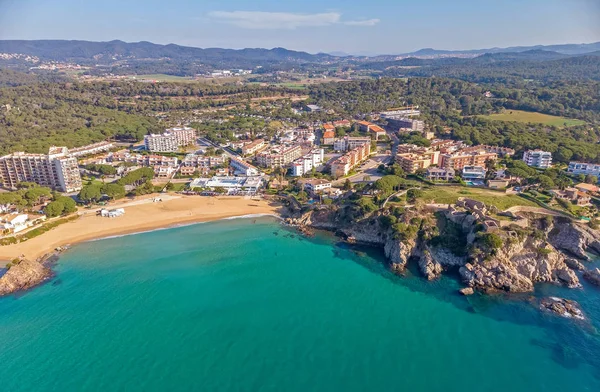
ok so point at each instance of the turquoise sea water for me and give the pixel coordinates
(246, 305)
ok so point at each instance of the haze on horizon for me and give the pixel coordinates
(380, 27)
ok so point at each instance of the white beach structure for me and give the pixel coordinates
(112, 213)
(233, 185)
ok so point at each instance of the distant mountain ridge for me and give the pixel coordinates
(76, 50)
(106, 52)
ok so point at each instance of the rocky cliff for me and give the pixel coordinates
(517, 265)
(541, 252)
(22, 276)
(576, 239)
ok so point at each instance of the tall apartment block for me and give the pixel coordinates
(170, 140)
(538, 158)
(56, 170)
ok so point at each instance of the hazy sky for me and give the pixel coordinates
(373, 26)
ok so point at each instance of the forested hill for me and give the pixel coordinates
(87, 52)
(499, 67)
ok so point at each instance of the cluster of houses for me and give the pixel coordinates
(12, 221)
(444, 160)
(580, 195)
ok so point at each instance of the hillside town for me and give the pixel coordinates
(310, 161)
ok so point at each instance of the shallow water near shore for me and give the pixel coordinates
(248, 305)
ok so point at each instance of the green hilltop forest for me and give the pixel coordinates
(35, 114)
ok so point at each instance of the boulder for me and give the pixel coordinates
(574, 264)
(22, 276)
(593, 276)
(567, 277)
(429, 267)
(562, 307)
(466, 291)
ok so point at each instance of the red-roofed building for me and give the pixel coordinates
(342, 123)
(328, 137)
(376, 130)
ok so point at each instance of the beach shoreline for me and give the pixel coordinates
(141, 215)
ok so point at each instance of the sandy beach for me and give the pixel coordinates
(140, 215)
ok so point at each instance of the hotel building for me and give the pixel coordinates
(170, 140)
(185, 136)
(279, 157)
(315, 185)
(411, 162)
(405, 123)
(161, 143)
(253, 147)
(56, 170)
(461, 159)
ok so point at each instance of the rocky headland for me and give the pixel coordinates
(23, 274)
(491, 250)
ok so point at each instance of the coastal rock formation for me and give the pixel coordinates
(429, 267)
(562, 307)
(398, 252)
(466, 291)
(573, 238)
(495, 277)
(574, 264)
(502, 255)
(593, 276)
(517, 265)
(22, 276)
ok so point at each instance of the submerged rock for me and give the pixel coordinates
(593, 276)
(22, 276)
(466, 291)
(562, 307)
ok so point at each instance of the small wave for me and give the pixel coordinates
(250, 216)
(177, 225)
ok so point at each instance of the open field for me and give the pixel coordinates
(163, 78)
(534, 117)
(450, 194)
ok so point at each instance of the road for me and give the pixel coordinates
(228, 151)
(368, 169)
(399, 193)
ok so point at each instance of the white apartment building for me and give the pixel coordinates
(279, 157)
(348, 143)
(161, 143)
(309, 161)
(244, 168)
(584, 168)
(91, 149)
(538, 158)
(170, 140)
(253, 147)
(184, 135)
(315, 185)
(56, 170)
